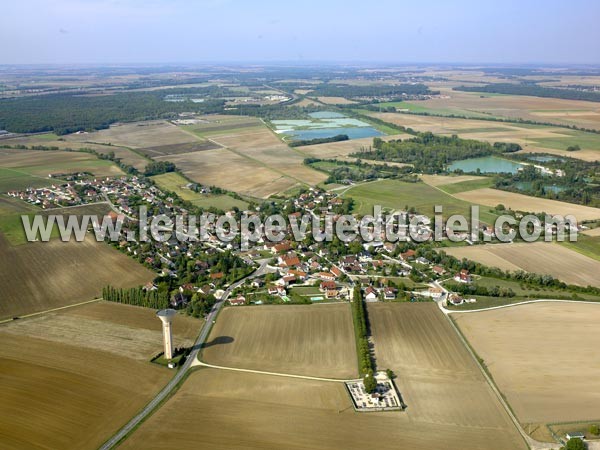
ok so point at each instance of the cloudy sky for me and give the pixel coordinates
(156, 31)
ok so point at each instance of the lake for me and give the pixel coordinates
(486, 164)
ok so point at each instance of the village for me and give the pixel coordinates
(297, 272)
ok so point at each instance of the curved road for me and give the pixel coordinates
(166, 391)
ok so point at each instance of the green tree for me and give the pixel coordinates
(594, 429)
(370, 382)
(575, 444)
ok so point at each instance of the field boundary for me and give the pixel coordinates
(529, 442)
(26, 316)
(547, 300)
(197, 362)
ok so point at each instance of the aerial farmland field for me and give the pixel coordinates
(396, 194)
(137, 135)
(174, 182)
(275, 412)
(526, 203)
(72, 378)
(554, 110)
(437, 377)
(20, 169)
(532, 351)
(252, 161)
(537, 257)
(314, 340)
(43, 275)
(533, 138)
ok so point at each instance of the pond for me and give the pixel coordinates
(485, 164)
(543, 158)
(352, 132)
(527, 185)
(326, 115)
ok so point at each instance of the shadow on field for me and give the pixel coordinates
(219, 340)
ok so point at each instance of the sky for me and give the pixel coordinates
(302, 31)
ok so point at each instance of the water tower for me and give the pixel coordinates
(166, 317)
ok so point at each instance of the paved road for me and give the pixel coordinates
(166, 391)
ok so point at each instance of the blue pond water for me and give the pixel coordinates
(326, 115)
(353, 133)
(485, 164)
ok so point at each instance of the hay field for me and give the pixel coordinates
(526, 203)
(314, 340)
(71, 379)
(42, 275)
(228, 410)
(541, 356)
(539, 257)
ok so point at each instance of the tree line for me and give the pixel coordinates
(533, 90)
(359, 318)
(429, 153)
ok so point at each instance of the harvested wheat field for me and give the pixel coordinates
(544, 258)
(228, 170)
(130, 331)
(72, 379)
(150, 133)
(315, 340)
(341, 149)
(555, 110)
(126, 155)
(335, 100)
(437, 377)
(252, 162)
(533, 138)
(592, 232)
(219, 409)
(265, 147)
(526, 203)
(542, 357)
(42, 275)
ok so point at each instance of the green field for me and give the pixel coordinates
(174, 182)
(585, 140)
(396, 194)
(17, 179)
(522, 293)
(28, 168)
(416, 108)
(470, 185)
(586, 245)
(11, 223)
